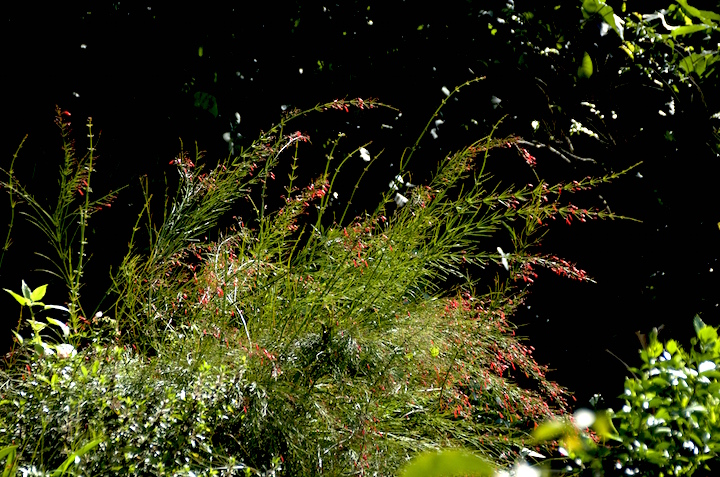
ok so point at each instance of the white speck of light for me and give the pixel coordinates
(83, 46)
(370, 22)
(523, 469)
(386, 126)
(364, 154)
(335, 195)
(446, 91)
(584, 418)
(98, 314)
(535, 125)
(75, 94)
(300, 70)
(237, 117)
(283, 107)
(227, 137)
(661, 112)
(638, 175)
(438, 122)
(433, 133)
(495, 101)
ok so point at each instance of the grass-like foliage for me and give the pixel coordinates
(293, 342)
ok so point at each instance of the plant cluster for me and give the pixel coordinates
(296, 341)
(670, 423)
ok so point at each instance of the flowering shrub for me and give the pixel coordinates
(298, 342)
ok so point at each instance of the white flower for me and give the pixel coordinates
(433, 133)
(364, 154)
(446, 91)
(535, 125)
(523, 469)
(584, 418)
(400, 200)
(65, 350)
(227, 137)
(705, 366)
(237, 117)
(503, 258)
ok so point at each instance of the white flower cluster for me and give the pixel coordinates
(577, 128)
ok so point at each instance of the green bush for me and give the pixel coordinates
(294, 341)
(670, 424)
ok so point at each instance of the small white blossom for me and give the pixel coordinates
(503, 258)
(365, 154)
(705, 366)
(65, 350)
(446, 91)
(400, 200)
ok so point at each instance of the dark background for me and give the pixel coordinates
(141, 67)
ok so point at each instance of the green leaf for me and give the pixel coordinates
(698, 323)
(20, 299)
(687, 29)
(37, 326)
(206, 101)
(10, 462)
(27, 293)
(38, 293)
(586, 67)
(71, 458)
(65, 329)
(704, 15)
(17, 335)
(445, 464)
(550, 430)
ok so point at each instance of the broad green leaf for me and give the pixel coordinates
(586, 67)
(446, 463)
(20, 299)
(38, 293)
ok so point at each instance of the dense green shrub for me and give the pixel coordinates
(670, 424)
(293, 341)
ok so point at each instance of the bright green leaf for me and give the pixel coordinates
(20, 299)
(550, 430)
(688, 29)
(446, 463)
(586, 67)
(71, 458)
(38, 293)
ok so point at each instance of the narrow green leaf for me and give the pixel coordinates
(688, 29)
(65, 329)
(704, 15)
(17, 335)
(71, 458)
